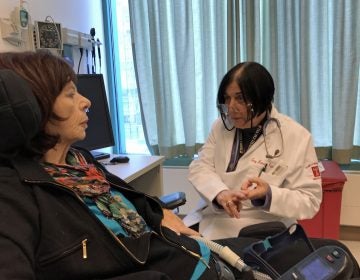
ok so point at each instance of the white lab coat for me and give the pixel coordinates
(293, 177)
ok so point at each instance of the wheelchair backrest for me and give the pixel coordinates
(20, 114)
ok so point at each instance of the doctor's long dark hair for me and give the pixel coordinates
(255, 82)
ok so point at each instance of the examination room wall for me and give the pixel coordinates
(79, 15)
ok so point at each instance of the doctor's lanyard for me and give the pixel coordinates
(238, 147)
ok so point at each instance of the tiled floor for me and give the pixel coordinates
(354, 247)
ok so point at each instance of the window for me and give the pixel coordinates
(132, 127)
(313, 60)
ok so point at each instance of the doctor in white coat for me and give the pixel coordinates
(257, 164)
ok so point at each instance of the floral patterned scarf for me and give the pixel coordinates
(88, 181)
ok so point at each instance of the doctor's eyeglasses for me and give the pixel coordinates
(224, 113)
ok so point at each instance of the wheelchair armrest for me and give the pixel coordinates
(173, 200)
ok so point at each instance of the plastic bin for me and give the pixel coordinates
(326, 223)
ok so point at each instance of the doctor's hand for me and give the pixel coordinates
(230, 200)
(255, 188)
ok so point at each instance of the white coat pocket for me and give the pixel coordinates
(275, 177)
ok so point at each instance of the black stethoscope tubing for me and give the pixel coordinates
(277, 152)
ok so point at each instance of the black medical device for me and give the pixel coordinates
(289, 255)
(326, 263)
(92, 34)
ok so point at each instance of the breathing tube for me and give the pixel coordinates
(230, 257)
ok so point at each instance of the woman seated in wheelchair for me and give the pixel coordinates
(63, 216)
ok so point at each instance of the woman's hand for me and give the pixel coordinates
(173, 222)
(255, 188)
(230, 200)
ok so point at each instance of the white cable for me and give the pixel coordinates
(230, 257)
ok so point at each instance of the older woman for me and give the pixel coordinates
(63, 216)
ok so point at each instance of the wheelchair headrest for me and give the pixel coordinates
(20, 114)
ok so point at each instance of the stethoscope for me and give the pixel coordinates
(277, 152)
(270, 121)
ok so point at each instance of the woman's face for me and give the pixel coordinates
(238, 109)
(71, 106)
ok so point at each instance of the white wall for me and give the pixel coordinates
(350, 204)
(175, 179)
(79, 15)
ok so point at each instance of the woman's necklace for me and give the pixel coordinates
(254, 138)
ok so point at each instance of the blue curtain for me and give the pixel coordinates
(113, 75)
